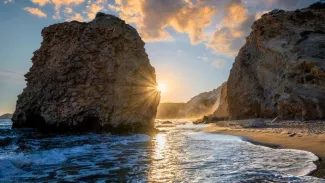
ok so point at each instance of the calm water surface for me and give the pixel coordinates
(181, 154)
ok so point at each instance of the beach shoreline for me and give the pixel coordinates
(278, 138)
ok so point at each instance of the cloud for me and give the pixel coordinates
(7, 1)
(35, 11)
(259, 14)
(41, 2)
(205, 59)
(76, 17)
(68, 10)
(221, 25)
(7, 76)
(218, 64)
(152, 17)
(235, 26)
(92, 9)
(238, 18)
(57, 3)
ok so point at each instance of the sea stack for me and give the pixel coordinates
(89, 77)
(280, 71)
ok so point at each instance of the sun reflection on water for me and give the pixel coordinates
(160, 143)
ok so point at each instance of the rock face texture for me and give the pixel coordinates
(6, 116)
(280, 71)
(200, 105)
(92, 76)
(222, 110)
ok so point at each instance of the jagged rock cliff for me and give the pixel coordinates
(197, 107)
(202, 104)
(280, 71)
(222, 110)
(6, 116)
(92, 76)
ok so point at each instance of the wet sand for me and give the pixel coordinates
(294, 137)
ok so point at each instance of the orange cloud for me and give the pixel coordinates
(57, 3)
(41, 2)
(236, 14)
(259, 14)
(68, 10)
(76, 17)
(35, 11)
(235, 27)
(92, 9)
(152, 17)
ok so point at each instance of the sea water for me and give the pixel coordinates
(182, 153)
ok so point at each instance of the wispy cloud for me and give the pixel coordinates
(205, 59)
(7, 76)
(218, 64)
(35, 11)
(7, 1)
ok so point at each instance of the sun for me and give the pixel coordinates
(161, 87)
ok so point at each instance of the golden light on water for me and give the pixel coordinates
(162, 87)
(160, 144)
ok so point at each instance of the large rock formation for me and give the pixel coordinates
(280, 71)
(92, 76)
(202, 104)
(197, 107)
(222, 110)
(6, 116)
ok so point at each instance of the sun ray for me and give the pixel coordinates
(161, 87)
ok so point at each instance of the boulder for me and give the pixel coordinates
(280, 71)
(93, 76)
(255, 123)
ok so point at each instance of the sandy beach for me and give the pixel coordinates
(308, 136)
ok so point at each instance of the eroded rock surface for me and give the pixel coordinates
(197, 107)
(92, 76)
(203, 104)
(222, 110)
(280, 71)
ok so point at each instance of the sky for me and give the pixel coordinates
(191, 43)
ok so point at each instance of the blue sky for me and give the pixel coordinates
(191, 43)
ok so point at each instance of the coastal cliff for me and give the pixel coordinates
(280, 71)
(92, 76)
(6, 116)
(202, 104)
(197, 107)
(222, 110)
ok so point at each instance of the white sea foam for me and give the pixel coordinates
(182, 154)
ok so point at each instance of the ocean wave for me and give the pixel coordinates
(182, 154)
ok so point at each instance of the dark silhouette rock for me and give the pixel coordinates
(92, 76)
(6, 116)
(255, 123)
